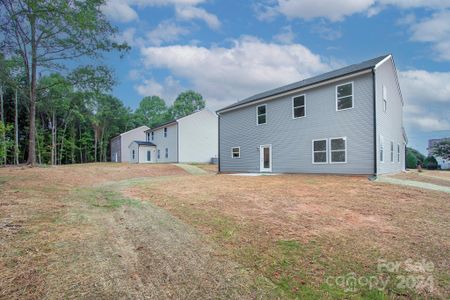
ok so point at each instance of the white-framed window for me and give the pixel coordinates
(149, 155)
(384, 98)
(167, 153)
(159, 154)
(153, 135)
(319, 151)
(381, 149)
(392, 151)
(236, 152)
(298, 106)
(338, 150)
(133, 154)
(344, 96)
(148, 136)
(261, 114)
(165, 131)
(398, 152)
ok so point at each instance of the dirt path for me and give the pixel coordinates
(413, 183)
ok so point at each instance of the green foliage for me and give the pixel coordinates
(419, 156)
(187, 103)
(411, 160)
(441, 149)
(430, 163)
(6, 143)
(152, 110)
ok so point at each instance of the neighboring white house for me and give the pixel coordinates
(193, 138)
(443, 163)
(119, 144)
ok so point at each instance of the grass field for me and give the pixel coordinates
(135, 231)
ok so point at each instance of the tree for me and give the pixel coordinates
(430, 163)
(441, 149)
(187, 103)
(151, 111)
(45, 33)
(419, 156)
(411, 160)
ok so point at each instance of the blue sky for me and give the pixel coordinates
(229, 50)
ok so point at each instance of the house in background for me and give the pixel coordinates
(443, 163)
(347, 121)
(192, 138)
(119, 144)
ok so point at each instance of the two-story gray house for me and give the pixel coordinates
(347, 121)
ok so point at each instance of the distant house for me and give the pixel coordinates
(443, 163)
(119, 144)
(192, 138)
(347, 121)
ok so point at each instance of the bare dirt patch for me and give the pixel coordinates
(341, 224)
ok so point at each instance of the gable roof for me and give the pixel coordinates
(174, 120)
(365, 65)
(143, 127)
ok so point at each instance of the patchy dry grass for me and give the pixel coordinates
(298, 230)
(67, 232)
(80, 232)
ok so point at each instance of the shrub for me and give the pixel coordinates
(411, 160)
(430, 163)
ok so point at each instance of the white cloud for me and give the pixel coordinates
(168, 90)
(333, 10)
(435, 30)
(192, 12)
(423, 86)
(286, 36)
(166, 31)
(427, 98)
(225, 75)
(119, 11)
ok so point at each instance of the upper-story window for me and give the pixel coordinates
(384, 98)
(261, 114)
(165, 131)
(298, 106)
(148, 136)
(344, 96)
(153, 135)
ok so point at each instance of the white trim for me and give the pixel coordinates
(257, 115)
(239, 148)
(293, 107)
(295, 91)
(383, 61)
(261, 153)
(345, 150)
(326, 151)
(352, 95)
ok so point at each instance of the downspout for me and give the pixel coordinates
(218, 144)
(375, 161)
(178, 143)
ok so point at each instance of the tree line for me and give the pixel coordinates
(52, 112)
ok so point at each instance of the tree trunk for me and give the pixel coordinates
(81, 145)
(39, 149)
(53, 151)
(95, 143)
(16, 131)
(32, 133)
(2, 119)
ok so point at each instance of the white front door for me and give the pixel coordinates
(265, 158)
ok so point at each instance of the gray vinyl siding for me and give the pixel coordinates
(116, 148)
(170, 142)
(389, 123)
(291, 139)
